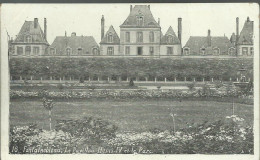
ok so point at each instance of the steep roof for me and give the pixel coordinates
(145, 12)
(246, 35)
(86, 43)
(197, 42)
(28, 29)
(172, 33)
(116, 39)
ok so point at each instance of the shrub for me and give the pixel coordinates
(89, 129)
(131, 83)
(191, 86)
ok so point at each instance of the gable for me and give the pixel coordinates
(115, 38)
(140, 11)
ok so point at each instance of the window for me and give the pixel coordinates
(139, 37)
(36, 50)
(95, 51)
(203, 51)
(140, 21)
(127, 36)
(169, 51)
(186, 51)
(68, 51)
(28, 50)
(244, 50)
(52, 51)
(19, 50)
(216, 51)
(151, 51)
(139, 51)
(110, 38)
(170, 39)
(251, 50)
(127, 50)
(231, 51)
(151, 36)
(79, 51)
(110, 50)
(28, 39)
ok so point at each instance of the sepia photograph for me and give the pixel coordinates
(139, 79)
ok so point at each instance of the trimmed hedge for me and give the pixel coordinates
(130, 67)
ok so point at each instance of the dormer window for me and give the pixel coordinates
(110, 38)
(79, 51)
(28, 39)
(68, 51)
(169, 39)
(140, 21)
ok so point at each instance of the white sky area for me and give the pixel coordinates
(85, 19)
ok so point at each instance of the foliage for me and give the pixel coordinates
(131, 67)
(227, 136)
(191, 86)
(131, 83)
(88, 129)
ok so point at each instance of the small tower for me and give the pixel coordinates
(102, 27)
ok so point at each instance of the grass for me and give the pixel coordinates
(132, 115)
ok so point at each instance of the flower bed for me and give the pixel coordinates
(229, 136)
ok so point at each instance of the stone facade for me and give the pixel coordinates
(140, 35)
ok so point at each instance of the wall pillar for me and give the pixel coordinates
(41, 78)
(212, 79)
(203, 79)
(127, 79)
(155, 79)
(51, 78)
(63, 78)
(165, 79)
(70, 78)
(98, 78)
(175, 79)
(249, 79)
(194, 79)
(60, 79)
(185, 79)
(21, 78)
(146, 79)
(237, 79)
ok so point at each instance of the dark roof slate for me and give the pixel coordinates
(142, 10)
(197, 42)
(61, 43)
(246, 35)
(172, 33)
(116, 39)
(28, 29)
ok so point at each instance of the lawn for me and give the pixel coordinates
(131, 115)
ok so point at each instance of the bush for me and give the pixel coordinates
(89, 129)
(191, 86)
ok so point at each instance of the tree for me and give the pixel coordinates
(131, 83)
(48, 105)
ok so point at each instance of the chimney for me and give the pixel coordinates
(248, 20)
(159, 21)
(45, 29)
(73, 34)
(237, 28)
(131, 7)
(209, 38)
(149, 7)
(102, 27)
(179, 28)
(35, 22)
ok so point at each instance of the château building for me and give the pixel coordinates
(31, 40)
(140, 35)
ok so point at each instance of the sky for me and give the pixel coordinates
(85, 19)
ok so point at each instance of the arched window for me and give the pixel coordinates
(203, 51)
(169, 39)
(186, 51)
(216, 51)
(95, 51)
(151, 36)
(231, 51)
(79, 51)
(110, 37)
(140, 21)
(68, 51)
(52, 51)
